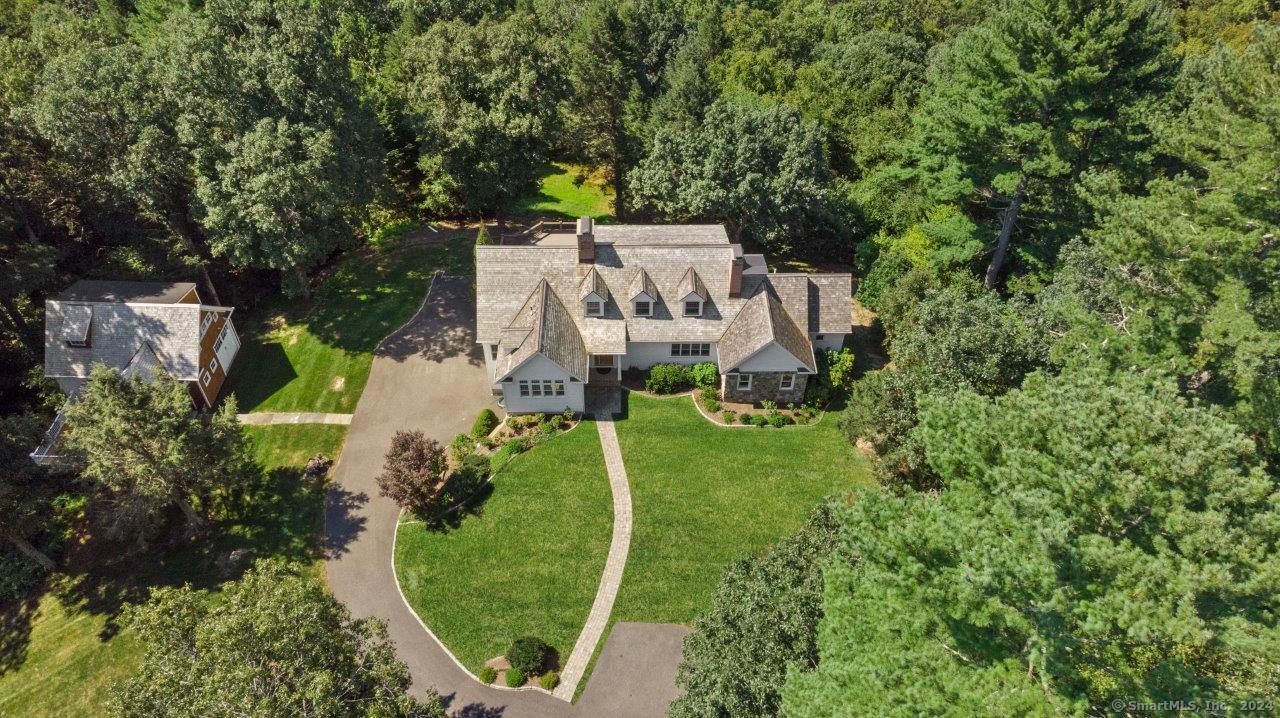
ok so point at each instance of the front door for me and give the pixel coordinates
(604, 369)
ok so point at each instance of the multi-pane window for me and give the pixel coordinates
(541, 387)
(594, 308)
(643, 308)
(206, 377)
(690, 350)
(787, 382)
(217, 343)
(693, 308)
(213, 364)
(744, 382)
(205, 322)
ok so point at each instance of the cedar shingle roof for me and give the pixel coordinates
(691, 283)
(658, 260)
(97, 290)
(761, 322)
(642, 284)
(550, 332)
(593, 283)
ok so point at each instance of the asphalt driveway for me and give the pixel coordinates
(430, 375)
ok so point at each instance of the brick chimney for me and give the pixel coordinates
(735, 272)
(586, 240)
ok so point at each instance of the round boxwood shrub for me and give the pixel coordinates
(515, 677)
(487, 674)
(549, 680)
(529, 654)
(485, 423)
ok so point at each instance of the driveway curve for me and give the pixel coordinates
(429, 374)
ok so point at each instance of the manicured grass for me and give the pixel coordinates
(705, 496)
(64, 649)
(528, 562)
(559, 195)
(316, 356)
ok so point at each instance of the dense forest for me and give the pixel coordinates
(1063, 212)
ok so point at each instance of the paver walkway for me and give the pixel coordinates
(598, 619)
(259, 418)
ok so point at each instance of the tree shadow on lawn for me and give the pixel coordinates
(453, 517)
(16, 617)
(279, 514)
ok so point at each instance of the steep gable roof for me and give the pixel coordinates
(642, 284)
(761, 322)
(691, 283)
(593, 283)
(97, 290)
(551, 332)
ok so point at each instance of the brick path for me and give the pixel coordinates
(604, 408)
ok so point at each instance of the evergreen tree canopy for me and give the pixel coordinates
(1098, 539)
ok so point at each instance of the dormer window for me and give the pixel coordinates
(692, 292)
(594, 308)
(644, 308)
(693, 308)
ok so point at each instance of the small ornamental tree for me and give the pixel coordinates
(412, 472)
(528, 654)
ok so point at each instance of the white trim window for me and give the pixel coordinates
(693, 308)
(541, 387)
(205, 377)
(744, 382)
(690, 350)
(213, 364)
(644, 308)
(217, 343)
(787, 382)
(205, 322)
(595, 308)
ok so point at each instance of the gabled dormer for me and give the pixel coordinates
(593, 294)
(643, 295)
(692, 294)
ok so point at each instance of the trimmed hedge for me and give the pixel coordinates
(668, 379)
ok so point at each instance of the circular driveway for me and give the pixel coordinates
(430, 375)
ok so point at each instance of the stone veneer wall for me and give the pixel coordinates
(764, 386)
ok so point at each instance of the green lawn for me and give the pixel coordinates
(705, 496)
(528, 562)
(316, 356)
(559, 195)
(63, 650)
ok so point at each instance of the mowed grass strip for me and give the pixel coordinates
(706, 496)
(315, 356)
(560, 195)
(528, 563)
(72, 654)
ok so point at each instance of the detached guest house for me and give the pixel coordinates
(137, 328)
(564, 307)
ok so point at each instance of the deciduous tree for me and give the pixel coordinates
(414, 468)
(273, 643)
(25, 488)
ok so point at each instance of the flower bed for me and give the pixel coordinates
(768, 414)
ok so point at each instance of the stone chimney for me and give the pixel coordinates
(735, 272)
(586, 240)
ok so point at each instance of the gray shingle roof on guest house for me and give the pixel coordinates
(118, 319)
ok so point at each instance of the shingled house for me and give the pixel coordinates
(137, 328)
(566, 307)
